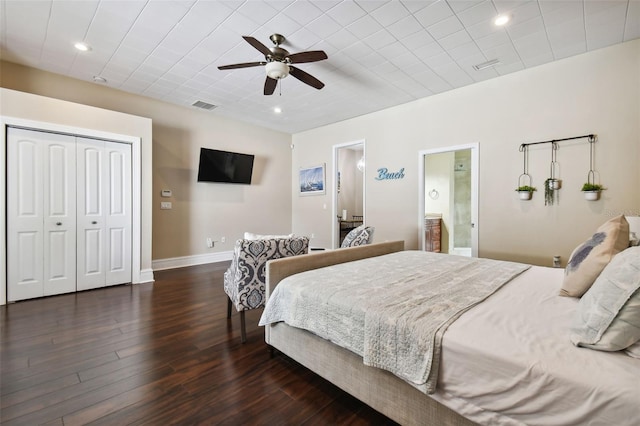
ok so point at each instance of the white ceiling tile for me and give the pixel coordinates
(439, 61)
(534, 61)
(445, 27)
(390, 13)
(380, 39)
(302, 12)
(483, 29)
(454, 40)
(364, 27)
(257, 11)
(280, 24)
(632, 24)
(604, 22)
(342, 39)
(527, 28)
(493, 40)
(405, 27)
(415, 5)
(533, 46)
(464, 51)
(371, 5)
(480, 12)
(433, 14)
(346, 13)
(417, 40)
(504, 69)
(461, 5)
(523, 11)
(570, 34)
(392, 50)
(559, 12)
(323, 26)
(325, 5)
(429, 50)
(505, 53)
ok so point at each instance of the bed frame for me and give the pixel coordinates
(377, 388)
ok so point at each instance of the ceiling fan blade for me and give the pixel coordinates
(305, 77)
(244, 65)
(311, 56)
(258, 45)
(270, 85)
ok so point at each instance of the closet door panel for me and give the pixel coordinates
(119, 216)
(60, 217)
(91, 239)
(41, 214)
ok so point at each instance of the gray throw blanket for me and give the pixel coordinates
(392, 310)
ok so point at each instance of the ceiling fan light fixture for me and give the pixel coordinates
(277, 70)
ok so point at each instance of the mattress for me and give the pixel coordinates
(383, 308)
(509, 361)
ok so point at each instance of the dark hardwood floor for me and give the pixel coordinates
(161, 353)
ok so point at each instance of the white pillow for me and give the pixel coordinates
(252, 236)
(608, 315)
(589, 259)
(633, 350)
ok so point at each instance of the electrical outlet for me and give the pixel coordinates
(313, 235)
(209, 242)
(165, 205)
(223, 239)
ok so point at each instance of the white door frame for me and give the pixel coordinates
(335, 241)
(136, 190)
(475, 156)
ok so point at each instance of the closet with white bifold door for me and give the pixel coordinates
(68, 213)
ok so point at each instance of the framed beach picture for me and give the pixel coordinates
(312, 180)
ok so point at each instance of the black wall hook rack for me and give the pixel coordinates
(592, 139)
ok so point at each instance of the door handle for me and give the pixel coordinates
(58, 223)
(93, 222)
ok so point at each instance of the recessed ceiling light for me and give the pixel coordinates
(501, 20)
(277, 110)
(84, 47)
(99, 79)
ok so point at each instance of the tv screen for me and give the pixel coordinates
(223, 166)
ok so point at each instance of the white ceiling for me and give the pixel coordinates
(381, 53)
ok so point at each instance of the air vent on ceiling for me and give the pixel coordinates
(487, 64)
(203, 105)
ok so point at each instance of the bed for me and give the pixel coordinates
(505, 360)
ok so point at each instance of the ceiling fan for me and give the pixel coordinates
(277, 62)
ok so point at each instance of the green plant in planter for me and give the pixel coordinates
(526, 188)
(549, 192)
(588, 186)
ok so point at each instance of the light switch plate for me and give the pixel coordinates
(165, 205)
(165, 193)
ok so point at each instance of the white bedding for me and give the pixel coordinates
(509, 360)
(391, 310)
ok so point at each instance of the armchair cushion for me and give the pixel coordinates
(244, 281)
(358, 236)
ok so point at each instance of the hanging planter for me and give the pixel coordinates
(524, 189)
(525, 192)
(552, 184)
(590, 189)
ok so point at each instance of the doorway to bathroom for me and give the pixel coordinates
(448, 200)
(349, 192)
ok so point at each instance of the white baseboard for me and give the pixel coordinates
(146, 276)
(198, 259)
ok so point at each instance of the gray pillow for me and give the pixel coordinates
(608, 315)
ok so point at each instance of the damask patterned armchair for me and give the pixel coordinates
(244, 281)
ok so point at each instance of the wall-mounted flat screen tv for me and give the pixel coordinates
(224, 166)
